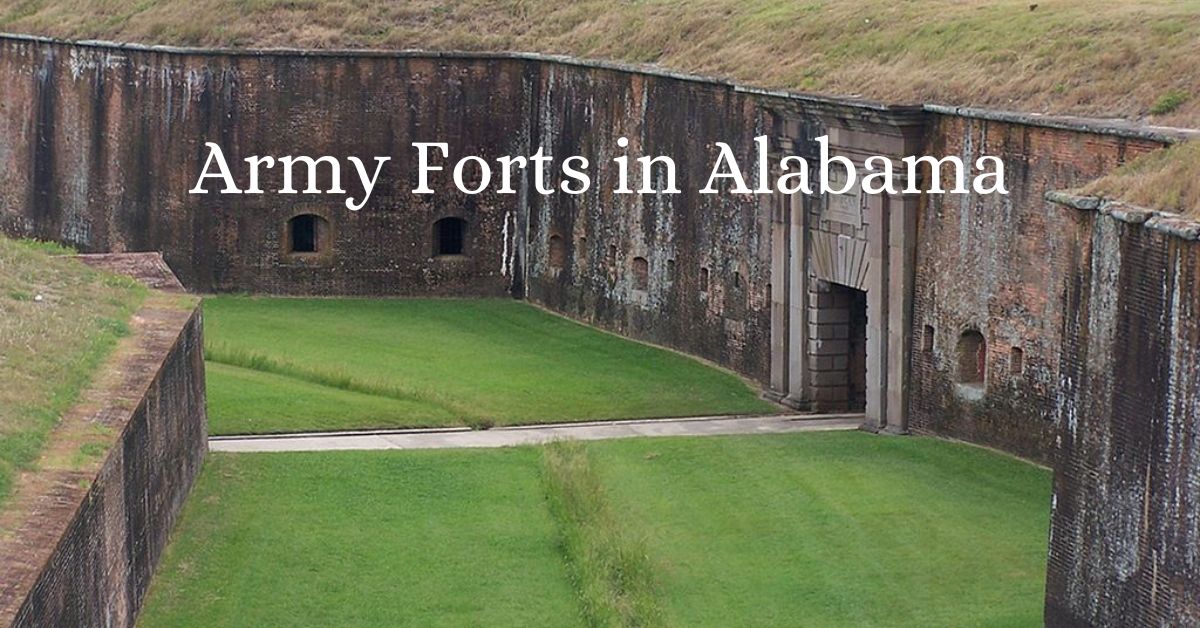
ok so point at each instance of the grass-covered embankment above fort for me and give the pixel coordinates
(1126, 59)
(1168, 180)
(59, 319)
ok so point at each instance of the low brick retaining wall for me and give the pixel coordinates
(78, 545)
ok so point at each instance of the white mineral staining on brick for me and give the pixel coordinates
(965, 201)
(1104, 307)
(1123, 526)
(1068, 410)
(1181, 444)
(504, 244)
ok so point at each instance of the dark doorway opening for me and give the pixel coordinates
(558, 253)
(641, 273)
(972, 358)
(838, 346)
(856, 354)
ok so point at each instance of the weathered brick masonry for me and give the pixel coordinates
(707, 258)
(1125, 537)
(99, 146)
(80, 544)
(1003, 266)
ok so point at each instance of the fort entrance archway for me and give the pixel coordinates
(842, 275)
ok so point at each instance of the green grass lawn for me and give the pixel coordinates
(364, 539)
(255, 401)
(840, 529)
(281, 364)
(823, 530)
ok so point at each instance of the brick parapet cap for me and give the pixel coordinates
(1117, 127)
(1165, 222)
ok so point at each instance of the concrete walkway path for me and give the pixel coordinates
(440, 438)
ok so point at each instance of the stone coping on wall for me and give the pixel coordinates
(149, 268)
(47, 502)
(1118, 127)
(1101, 126)
(1169, 223)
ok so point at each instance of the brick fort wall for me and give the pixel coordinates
(1003, 266)
(99, 147)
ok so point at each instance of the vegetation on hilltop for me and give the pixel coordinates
(1128, 59)
(1167, 179)
(59, 319)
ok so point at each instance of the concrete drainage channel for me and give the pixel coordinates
(449, 438)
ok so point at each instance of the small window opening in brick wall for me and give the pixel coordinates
(927, 339)
(972, 357)
(449, 236)
(670, 270)
(737, 279)
(558, 252)
(703, 280)
(306, 233)
(611, 260)
(1016, 361)
(641, 273)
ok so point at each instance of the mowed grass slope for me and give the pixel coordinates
(243, 400)
(821, 530)
(364, 539)
(50, 348)
(308, 364)
(842, 529)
